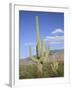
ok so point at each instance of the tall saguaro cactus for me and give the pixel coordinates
(41, 53)
(37, 39)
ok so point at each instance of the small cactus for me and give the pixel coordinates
(54, 66)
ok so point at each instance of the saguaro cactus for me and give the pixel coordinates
(41, 53)
(37, 39)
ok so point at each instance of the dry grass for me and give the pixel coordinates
(31, 71)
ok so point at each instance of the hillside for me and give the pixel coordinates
(54, 55)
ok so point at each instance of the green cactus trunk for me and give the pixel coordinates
(42, 48)
(40, 68)
(37, 39)
(46, 54)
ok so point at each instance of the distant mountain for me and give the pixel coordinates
(56, 55)
(53, 55)
(56, 51)
(26, 61)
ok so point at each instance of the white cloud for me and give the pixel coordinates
(57, 31)
(54, 39)
(48, 39)
(60, 42)
(30, 43)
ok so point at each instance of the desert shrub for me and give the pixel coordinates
(61, 69)
(28, 71)
(47, 71)
(31, 71)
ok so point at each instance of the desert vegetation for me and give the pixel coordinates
(44, 63)
(31, 70)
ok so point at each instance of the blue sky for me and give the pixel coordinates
(51, 29)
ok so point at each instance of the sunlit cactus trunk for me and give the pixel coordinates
(46, 54)
(42, 48)
(40, 67)
(37, 39)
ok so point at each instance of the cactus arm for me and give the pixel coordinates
(46, 54)
(30, 55)
(42, 48)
